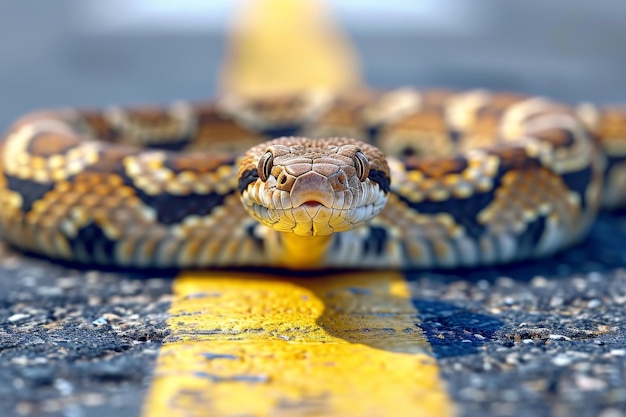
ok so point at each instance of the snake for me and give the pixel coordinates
(362, 179)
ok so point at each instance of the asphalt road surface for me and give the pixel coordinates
(543, 338)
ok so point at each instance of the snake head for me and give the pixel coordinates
(313, 186)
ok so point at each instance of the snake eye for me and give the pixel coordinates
(265, 165)
(362, 165)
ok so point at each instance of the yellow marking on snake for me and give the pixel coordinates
(261, 345)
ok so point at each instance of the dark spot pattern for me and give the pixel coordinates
(171, 145)
(381, 179)
(280, 131)
(527, 241)
(91, 240)
(465, 211)
(376, 241)
(258, 242)
(172, 209)
(372, 132)
(612, 161)
(246, 178)
(30, 191)
(578, 182)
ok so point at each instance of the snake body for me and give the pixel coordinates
(463, 179)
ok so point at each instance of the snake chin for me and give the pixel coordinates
(313, 219)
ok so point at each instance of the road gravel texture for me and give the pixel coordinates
(546, 338)
(76, 343)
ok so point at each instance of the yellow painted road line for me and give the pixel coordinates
(285, 46)
(260, 345)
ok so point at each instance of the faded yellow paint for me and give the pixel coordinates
(259, 345)
(282, 46)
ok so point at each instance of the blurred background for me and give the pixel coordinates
(98, 52)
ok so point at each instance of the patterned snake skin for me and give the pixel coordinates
(469, 178)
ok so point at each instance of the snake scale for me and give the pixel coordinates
(366, 179)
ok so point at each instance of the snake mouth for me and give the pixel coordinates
(314, 204)
(313, 218)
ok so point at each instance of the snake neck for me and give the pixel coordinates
(302, 252)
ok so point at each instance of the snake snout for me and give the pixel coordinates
(312, 189)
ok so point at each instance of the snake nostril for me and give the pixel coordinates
(283, 182)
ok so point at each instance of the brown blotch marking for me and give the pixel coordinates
(47, 144)
(340, 116)
(437, 167)
(498, 104)
(485, 129)
(278, 109)
(278, 105)
(555, 136)
(218, 131)
(100, 126)
(223, 135)
(425, 120)
(149, 115)
(200, 163)
(515, 157)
